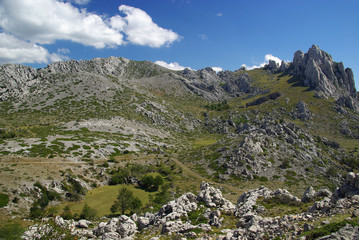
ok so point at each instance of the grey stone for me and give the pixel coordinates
(348, 232)
(82, 223)
(309, 194)
(318, 71)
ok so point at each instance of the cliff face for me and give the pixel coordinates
(318, 71)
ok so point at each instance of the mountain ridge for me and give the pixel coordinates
(116, 121)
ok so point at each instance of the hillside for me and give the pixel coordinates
(71, 129)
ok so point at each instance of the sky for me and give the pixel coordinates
(224, 34)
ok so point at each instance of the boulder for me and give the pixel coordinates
(179, 207)
(302, 112)
(212, 197)
(127, 226)
(82, 223)
(308, 195)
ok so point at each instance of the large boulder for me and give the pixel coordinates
(212, 197)
(179, 207)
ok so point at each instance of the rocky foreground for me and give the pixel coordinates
(174, 219)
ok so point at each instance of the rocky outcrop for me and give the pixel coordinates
(251, 224)
(302, 112)
(317, 70)
(212, 197)
(120, 227)
(347, 101)
(16, 81)
(178, 208)
(348, 232)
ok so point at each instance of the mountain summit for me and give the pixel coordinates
(317, 70)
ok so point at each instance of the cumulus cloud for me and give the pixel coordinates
(173, 66)
(46, 21)
(217, 69)
(15, 50)
(141, 30)
(219, 14)
(267, 57)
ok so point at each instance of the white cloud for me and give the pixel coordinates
(271, 57)
(63, 51)
(267, 57)
(217, 69)
(141, 30)
(203, 36)
(81, 2)
(45, 21)
(219, 14)
(14, 50)
(173, 66)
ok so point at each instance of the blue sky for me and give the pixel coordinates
(186, 33)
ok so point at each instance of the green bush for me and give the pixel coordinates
(88, 213)
(151, 183)
(66, 213)
(4, 200)
(263, 179)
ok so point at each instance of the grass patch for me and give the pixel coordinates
(327, 229)
(102, 198)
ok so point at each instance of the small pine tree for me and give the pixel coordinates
(66, 214)
(88, 212)
(125, 201)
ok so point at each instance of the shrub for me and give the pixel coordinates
(285, 163)
(88, 213)
(151, 183)
(263, 179)
(66, 213)
(4, 200)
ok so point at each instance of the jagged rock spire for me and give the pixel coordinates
(318, 71)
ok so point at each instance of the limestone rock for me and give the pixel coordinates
(302, 112)
(212, 197)
(272, 65)
(308, 195)
(283, 66)
(318, 71)
(179, 207)
(348, 232)
(82, 223)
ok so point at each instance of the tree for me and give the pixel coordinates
(150, 183)
(88, 212)
(125, 201)
(66, 213)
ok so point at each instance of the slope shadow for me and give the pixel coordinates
(295, 81)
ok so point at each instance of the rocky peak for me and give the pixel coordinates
(15, 80)
(317, 70)
(102, 66)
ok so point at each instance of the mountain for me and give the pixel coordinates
(78, 126)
